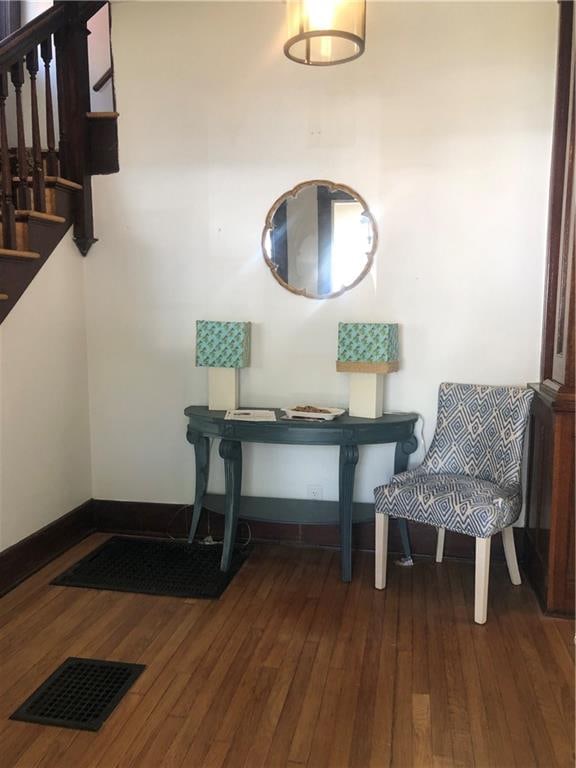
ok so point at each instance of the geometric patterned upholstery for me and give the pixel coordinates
(469, 480)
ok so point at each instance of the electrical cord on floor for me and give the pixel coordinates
(173, 518)
(209, 541)
(248, 541)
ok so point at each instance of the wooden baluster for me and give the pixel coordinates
(51, 158)
(22, 191)
(38, 168)
(8, 222)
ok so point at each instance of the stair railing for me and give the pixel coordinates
(63, 28)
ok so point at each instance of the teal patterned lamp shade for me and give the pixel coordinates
(222, 344)
(368, 347)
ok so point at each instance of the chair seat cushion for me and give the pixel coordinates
(456, 502)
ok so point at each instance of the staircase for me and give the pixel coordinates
(46, 188)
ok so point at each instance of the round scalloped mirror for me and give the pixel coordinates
(319, 239)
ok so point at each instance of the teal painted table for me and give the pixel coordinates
(348, 432)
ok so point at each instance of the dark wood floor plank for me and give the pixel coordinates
(420, 676)
(346, 711)
(364, 724)
(206, 733)
(382, 734)
(347, 655)
(517, 673)
(515, 730)
(547, 655)
(472, 687)
(253, 714)
(484, 637)
(41, 653)
(422, 756)
(292, 667)
(212, 664)
(221, 719)
(437, 612)
(323, 632)
(290, 656)
(459, 719)
(287, 721)
(24, 595)
(558, 722)
(150, 743)
(136, 725)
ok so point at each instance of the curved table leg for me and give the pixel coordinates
(401, 454)
(202, 453)
(231, 452)
(347, 463)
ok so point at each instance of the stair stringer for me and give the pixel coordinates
(42, 238)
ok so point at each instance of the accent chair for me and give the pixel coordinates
(469, 481)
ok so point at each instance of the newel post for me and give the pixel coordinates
(73, 78)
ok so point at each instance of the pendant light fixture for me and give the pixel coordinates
(325, 32)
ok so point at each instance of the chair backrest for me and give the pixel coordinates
(480, 432)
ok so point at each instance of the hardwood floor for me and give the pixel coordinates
(293, 668)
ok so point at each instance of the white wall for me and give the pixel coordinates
(443, 126)
(44, 429)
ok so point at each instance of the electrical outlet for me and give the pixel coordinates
(315, 492)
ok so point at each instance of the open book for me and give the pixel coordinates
(248, 414)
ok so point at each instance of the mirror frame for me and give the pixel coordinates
(332, 186)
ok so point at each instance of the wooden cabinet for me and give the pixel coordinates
(550, 509)
(549, 546)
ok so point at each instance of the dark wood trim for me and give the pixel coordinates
(26, 557)
(550, 509)
(73, 79)
(549, 533)
(157, 519)
(557, 176)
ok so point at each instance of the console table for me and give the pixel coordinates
(346, 431)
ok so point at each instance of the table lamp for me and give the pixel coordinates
(367, 350)
(223, 348)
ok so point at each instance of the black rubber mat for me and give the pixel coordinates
(80, 694)
(154, 567)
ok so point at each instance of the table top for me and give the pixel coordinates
(343, 430)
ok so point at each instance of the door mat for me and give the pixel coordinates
(80, 694)
(154, 567)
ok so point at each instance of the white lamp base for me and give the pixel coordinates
(366, 395)
(222, 389)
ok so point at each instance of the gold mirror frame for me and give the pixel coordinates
(332, 186)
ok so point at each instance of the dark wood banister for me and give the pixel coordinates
(17, 45)
(66, 21)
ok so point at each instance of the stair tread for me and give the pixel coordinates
(11, 253)
(23, 215)
(102, 115)
(62, 182)
(54, 181)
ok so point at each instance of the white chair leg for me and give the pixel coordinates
(510, 552)
(440, 544)
(481, 579)
(381, 547)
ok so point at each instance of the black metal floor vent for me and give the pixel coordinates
(154, 567)
(80, 694)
